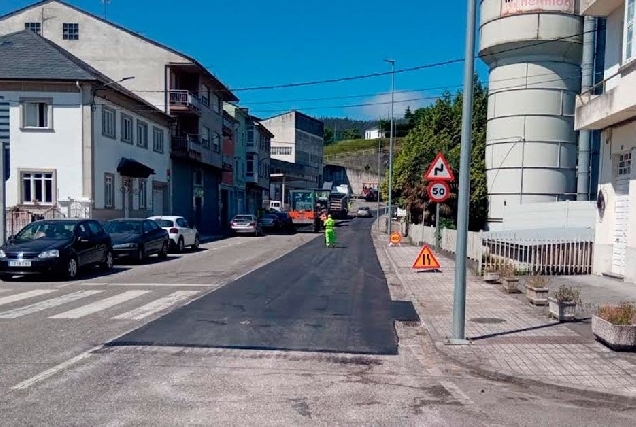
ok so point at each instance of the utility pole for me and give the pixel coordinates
(459, 303)
(105, 3)
(5, 136)
(389, 224)
(379, 164)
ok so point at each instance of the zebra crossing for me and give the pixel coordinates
(68, 304)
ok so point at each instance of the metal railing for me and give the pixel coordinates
(184, 98)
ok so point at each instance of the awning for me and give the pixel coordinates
(134, 169)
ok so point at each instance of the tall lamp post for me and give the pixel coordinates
(390, 219)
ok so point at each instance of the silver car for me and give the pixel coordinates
(363, 212)
(246, 224)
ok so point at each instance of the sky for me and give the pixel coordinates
(263, 43)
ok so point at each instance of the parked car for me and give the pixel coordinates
(270, 221)
(287, 223)
(364, 212)
(56, 246)
(246, 224)
(179, 231)
(137, 238)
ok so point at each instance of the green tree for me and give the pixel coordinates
(438, 128)
(328, 136)
(349, 134)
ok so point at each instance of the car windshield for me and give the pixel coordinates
(47, 230)
(127, 227)
(243, 218)
(164, 223)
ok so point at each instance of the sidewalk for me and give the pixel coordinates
(510, 339)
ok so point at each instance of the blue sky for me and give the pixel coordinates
(258, 43)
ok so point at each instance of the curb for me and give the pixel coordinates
(493, 374)
(211, 239)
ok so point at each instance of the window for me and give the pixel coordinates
(157, 140)
(216, 103)
(37, 187)
(147, 225)
(142, 134)
(216, 142)
(37, 114)
(95, 228)
(628, 42)
(142, 194)
(109, 118)
(70, 31)
(181, 222)
(205, 136)
(36, 27)
(250, 135)
(198, 177)
(109, 191)
(126, 129)
(205, 95)
(250, 165)
(625, 164)
(281, 151)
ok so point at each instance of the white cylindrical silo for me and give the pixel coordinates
(533, 50)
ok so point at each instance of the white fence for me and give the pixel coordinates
(547, 251)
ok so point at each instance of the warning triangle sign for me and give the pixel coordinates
(439, 170)
(426, 260)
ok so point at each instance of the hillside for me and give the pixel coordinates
(356, 145)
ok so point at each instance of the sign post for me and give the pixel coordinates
(439, 174)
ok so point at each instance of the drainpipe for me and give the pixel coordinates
(587, 81)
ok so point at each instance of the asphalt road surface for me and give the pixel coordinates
(57, 367)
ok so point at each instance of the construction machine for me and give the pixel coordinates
(306, 207)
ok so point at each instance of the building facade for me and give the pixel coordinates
(609, 108)
(165, 78)
(299, 138)
(80, 144)
(229, 205)
(374, 133)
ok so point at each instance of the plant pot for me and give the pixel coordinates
(563, 311)
(537, 296)
(511, 286)
(616, 337)
(491, 277)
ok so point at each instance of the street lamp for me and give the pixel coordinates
(389, 225)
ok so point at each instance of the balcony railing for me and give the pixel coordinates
(188, 146)
(184, 100)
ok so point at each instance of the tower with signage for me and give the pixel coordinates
(533, 51)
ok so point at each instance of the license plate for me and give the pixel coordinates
(20, 263)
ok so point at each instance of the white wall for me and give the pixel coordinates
(59, 149)
(108, 152)
(284, 129)
(614, 46)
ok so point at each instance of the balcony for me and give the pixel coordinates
(599, 8)
(187, 147)
(184, 101)
(615, 103)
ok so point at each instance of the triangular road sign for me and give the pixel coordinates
(439, 170)
(426, 260)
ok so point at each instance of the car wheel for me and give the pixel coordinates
(164, 251)
(141, 254)
(108, 262)
(180, 245)
(196, 242)
(71, 268)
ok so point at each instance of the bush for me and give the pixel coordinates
(538, 281)
(623, 314)
(567, 294)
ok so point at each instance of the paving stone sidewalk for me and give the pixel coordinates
(510, 339)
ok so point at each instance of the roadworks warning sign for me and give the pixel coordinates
(426, 260)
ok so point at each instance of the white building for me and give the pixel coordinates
(298, 138)
(164, 77)
(374, 133)
(79, 142)
(611, 108)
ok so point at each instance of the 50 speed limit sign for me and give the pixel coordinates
(438, 191)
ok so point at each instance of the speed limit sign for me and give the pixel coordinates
(438, 191)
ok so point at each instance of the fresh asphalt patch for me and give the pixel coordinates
(312, 299)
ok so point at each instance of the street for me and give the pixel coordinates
(277, 330)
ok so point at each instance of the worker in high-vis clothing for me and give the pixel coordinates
(330, 232)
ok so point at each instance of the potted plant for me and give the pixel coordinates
(510, 281)
(563, 303)
(615, 326)
(491, 274)
(537, 290)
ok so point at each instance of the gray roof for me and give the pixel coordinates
(27, 56)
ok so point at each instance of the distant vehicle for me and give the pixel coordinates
(276, 205)
(364, 212)
(246, 224)
(270, 221)
(339, 205)
(179, 231)
(286, 221)
(56, 246)
(306, 206)
(138, 238)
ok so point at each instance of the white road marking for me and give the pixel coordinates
(456, 392)
(167, 285)
(43, 305)
(24, 295)
(99, 305)
(156, 306)
(54, 370)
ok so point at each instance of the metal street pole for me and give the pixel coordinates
(378, 186)
(459, 303)
(437, 233)
(389, 225)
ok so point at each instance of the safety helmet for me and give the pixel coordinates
(329, 216)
